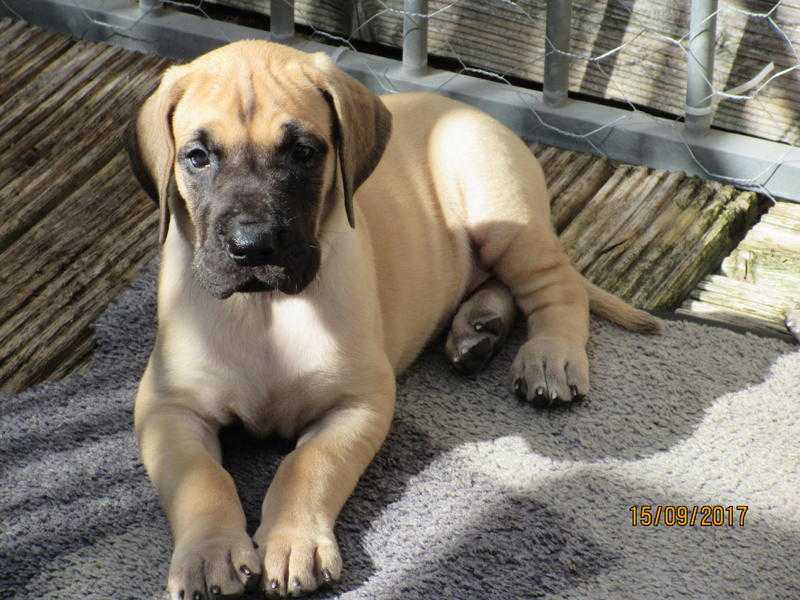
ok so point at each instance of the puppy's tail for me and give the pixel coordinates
(616, 310)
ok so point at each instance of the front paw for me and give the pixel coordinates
(297, 559)
(549, 370)
(212, 564)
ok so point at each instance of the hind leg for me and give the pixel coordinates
(480, 327)
(504, 208)
(508, 219)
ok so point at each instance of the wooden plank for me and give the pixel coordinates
(597, 218)
(641, 237)
(44, 256)
(19, 39)
(60, 339)
(573, 178)
(28, 189)
(92, 89)
(650, 236)
(74, 226)
(18, 68)
(5, 23)
(739, 303)
(25, 67)
(508, 38)
(760, 280)
(729, 216)
(80, 76)
(75, 359)
(17, 101)
(770, 254)
(576, 185)
(721, 313)
(668, 248)
(72, 274)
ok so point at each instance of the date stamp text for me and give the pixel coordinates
(705, 515)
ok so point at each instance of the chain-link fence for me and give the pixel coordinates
(703, 86)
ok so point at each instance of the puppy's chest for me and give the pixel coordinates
(275, 371)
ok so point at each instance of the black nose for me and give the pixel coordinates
(252, 244)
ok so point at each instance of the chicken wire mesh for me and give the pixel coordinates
(632, 54)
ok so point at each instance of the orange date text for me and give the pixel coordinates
(705, 515)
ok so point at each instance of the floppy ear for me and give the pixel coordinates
(151, 149)
(361, 125)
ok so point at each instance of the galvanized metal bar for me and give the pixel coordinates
(415, 36)
(148, 5)
(281, 20)
(700, 66)
(556, 64)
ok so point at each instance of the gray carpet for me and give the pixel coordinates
(473, 496)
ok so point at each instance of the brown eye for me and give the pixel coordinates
(199, 158)
(303, 152)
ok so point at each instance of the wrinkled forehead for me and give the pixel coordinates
(238, 106)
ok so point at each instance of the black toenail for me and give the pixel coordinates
(540, 399)
(197, 596)
(255, 545)
(215, 590)
(326, 575)
(521, 389)
(245, 570)
(273, 584)
(181, 594)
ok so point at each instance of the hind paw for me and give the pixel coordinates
(472, 345)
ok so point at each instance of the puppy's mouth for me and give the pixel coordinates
(254, 286)
(269, 278)
(228, 279)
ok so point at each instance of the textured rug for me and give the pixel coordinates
(473, 496)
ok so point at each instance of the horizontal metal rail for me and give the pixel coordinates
(620, 134)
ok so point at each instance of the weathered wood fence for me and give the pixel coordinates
(650, 69)
(707, 86)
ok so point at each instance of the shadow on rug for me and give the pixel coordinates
(473, 495)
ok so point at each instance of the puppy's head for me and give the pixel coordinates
(248, 150)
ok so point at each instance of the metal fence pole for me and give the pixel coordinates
(415, 36)
(700, 72)
(281, 19)
(148, 5)
(556, 65)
